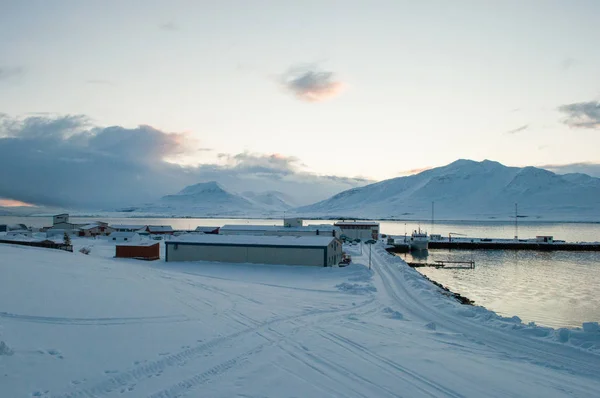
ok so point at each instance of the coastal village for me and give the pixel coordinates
(291, 243)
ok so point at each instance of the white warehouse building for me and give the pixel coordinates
(363, 230)
(320, 251)
(278, 230)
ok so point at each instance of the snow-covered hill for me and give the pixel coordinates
(75, 325)
(213, 200)
(468, 190)
(275, 200)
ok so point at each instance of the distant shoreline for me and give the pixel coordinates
(422, 220)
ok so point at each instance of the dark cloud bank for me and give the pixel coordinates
(66, 161)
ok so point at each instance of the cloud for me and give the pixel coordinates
(13, 203)
(589, 168)
(414, 171)
(567, 63)
(67, 161)
(168, 26)
(311, 85)
(518, 129)
(268, 164)
(582, 114)
(7, 72)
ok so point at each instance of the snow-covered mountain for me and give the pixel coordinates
(469, 190)
(271, 199)
(212, 200)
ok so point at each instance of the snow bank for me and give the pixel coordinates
(95, 326)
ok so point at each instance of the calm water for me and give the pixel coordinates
(555, 289)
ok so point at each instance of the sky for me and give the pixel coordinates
(311, 97)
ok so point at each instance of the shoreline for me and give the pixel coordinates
(445, 291)
(398, 220)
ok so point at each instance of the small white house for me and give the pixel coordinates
(127, 227)
(60, 219)
(544, 239)
(94, 230)
(292, 222)
(124, 237)
(55, 232)
(363, 230)
(19, 232)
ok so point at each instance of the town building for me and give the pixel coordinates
(208, 230)
(60, 219)
(159, 229)
(124, 237)
(138, 250)
(292, 222)
(19, 232)
(321, 251)
(57, 232)
(95, 229)
(128, 228)
(363, 230)
(12, 227)
(277, 230)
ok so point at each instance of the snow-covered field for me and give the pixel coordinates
(78, 326)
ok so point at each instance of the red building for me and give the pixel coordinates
(138, 250)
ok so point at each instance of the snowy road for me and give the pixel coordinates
(92, 326)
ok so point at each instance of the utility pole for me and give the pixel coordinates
(370, 256)
(432, 219)
(516, 222)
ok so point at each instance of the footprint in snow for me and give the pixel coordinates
(431, 326)
(111, 371)
(393, 314)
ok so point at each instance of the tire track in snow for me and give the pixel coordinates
(206, 376)
(94, 321)
(413, 377)
(142, 372)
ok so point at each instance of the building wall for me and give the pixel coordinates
(281, 232)
(292, 222)
(63, 225)
(334, 253)
(100, 230)
(247, 254)
(360, 233)
(60, 219)
(143, 252)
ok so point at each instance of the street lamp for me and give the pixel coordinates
(370, 243)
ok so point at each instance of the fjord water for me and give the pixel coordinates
(557, 289)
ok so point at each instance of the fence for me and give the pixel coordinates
(48, 244)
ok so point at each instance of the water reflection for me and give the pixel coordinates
(555, 289)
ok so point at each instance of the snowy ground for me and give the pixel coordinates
(81, 326)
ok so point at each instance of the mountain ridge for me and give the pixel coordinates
(466, 189)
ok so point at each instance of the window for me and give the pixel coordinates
(114, 238)
(125, 238)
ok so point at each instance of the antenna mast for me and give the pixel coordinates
(432, 218)
(516, 222)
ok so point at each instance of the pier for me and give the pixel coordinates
(541, 243)
(444, 264)
(477, 244)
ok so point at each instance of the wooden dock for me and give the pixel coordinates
(444, 264)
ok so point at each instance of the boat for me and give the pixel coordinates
(419, 240)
